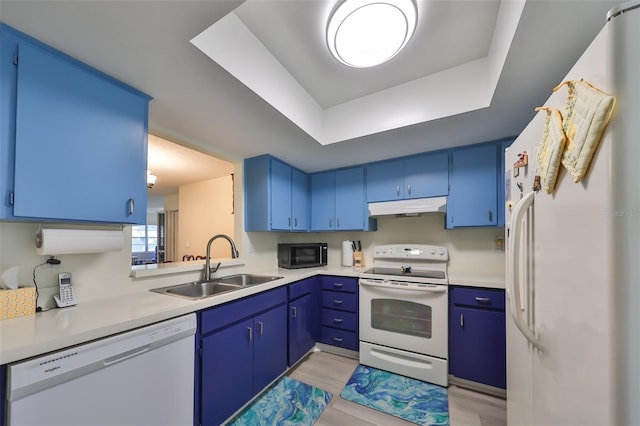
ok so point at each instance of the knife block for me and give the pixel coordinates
(358, 259)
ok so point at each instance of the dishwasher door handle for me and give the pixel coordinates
(126, 355)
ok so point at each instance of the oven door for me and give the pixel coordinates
(414, 320)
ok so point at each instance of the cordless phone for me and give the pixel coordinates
(66, 297)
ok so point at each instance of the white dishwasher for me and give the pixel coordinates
(141, 377)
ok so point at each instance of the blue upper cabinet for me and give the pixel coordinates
(476, 179)
(73, 141)
(276, 196)
(337, 201)
(425, 175)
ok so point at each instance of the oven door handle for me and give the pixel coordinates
(380, 284)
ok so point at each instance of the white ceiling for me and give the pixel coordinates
(199, 104)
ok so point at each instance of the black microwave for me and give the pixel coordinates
(302, 255)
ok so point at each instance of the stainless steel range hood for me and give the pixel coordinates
(413, 207)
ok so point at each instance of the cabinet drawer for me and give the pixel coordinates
(341, 338)
(340, 319)
(301, 288)
(479, 297)
(348, 285)
(341, 301)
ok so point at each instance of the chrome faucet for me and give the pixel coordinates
(207, 261)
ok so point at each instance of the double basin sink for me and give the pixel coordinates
(203, 289)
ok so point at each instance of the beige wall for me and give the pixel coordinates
(206, 209)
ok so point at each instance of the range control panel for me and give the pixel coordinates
(411, 251)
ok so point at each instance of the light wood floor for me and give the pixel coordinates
(331, 372)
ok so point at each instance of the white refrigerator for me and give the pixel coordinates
(573, 256)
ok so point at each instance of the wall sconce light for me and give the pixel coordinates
(151, 179)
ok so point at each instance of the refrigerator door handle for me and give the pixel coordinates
(513, 278)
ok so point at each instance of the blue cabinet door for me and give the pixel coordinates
(270, 346)
(301, 339)
(79, 141)
(473, 198)
(426, 175)
(323, 201)
(276, 196)
(349, 199)
(227, 372)
(280, 195)
(477, 335)
(478, 347)
(299, 200)
(385, 181)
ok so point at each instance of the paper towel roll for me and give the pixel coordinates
(347, 253)
(69, 241)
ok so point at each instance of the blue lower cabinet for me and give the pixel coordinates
(304, 317)
(477, 335)
(243, 348)
(341, 338)
(340, 312)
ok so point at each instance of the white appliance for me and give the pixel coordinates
(142, 377)
(403, 312)
(573, 274)
(411, 207)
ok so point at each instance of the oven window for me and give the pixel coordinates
(401, 316)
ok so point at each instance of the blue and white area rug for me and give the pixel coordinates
(287, 402)
(410, 399)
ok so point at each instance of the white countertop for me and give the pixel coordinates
(55, 329)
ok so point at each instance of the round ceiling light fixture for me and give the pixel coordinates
(366, 33)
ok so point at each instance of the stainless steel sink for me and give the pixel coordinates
(197, 290)
(203, 289)
(244, 280)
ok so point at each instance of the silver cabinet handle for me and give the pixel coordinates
(338, 320)
(337, 302)
(337, 339)
(483, 300)
(261, 327)
(461, 320)
(337, 285)
(132, 206)
(337, 223)
(294, 312)
(295, 222)
(490, 216)
(398, 190)
(330, 223)
(409, 189)
(250, 333)
(289, 222)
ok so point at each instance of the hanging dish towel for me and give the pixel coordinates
(588, 111)
(549, 152)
